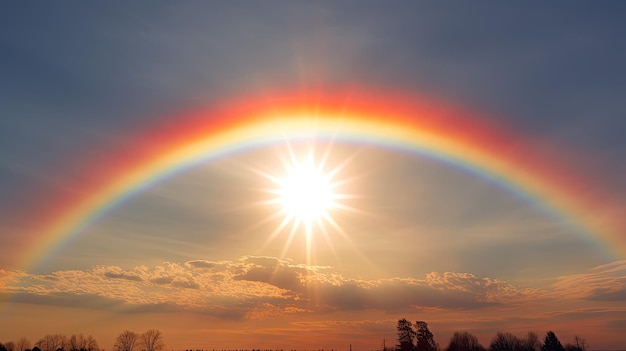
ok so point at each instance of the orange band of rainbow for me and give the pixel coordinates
(388, 120)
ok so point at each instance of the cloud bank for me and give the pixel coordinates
(265, 287)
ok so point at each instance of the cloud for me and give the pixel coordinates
(256, 287)
(577, 314)
(185, 283)
(447, 290)
(117, 273)
(602, 283)
(67, 299)
(275, 272)
(610, 294)
(251, 287)
(162, 280)
(337, 292)
(200, 264)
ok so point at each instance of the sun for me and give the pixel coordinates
(306, 193)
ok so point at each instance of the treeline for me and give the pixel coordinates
(151, 340)
(53, 342)
(417, 337)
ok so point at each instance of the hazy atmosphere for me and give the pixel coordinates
(302, 175)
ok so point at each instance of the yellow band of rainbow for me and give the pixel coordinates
(457, 137)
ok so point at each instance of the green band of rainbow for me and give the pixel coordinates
(453, 136)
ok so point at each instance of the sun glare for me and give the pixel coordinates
(305, 193)
(306, 197)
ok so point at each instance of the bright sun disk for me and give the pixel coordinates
(305, 193)
(305, 196)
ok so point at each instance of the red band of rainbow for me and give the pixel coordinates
(388, 120)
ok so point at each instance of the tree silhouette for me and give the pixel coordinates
(552, 343)
(531, 342)
(91, 344)
(152, 340)
(22, 344)
(580, 344)
(406, 335)
(464, 342)
(424, 339)
(52, 342)
(126, 341)
(2, 347)
(76, 343)
(505, 342)
(80, 343)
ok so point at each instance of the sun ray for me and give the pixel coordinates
(308, 193)
(347, 238)
(278, 229)
(328, 241)
(289, 240)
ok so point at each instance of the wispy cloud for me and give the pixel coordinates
(602, 283)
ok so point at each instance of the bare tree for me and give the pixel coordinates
(152, 340)
(52, 342)
(580, 343)
(126, 341)
(505, 342)
(10, 346)
(22, 344)
(464, 342)
(91, 344)
(75, 343)
(531, 342)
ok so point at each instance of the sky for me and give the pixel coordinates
(208, 253)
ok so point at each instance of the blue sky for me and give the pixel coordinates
(86, 69)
